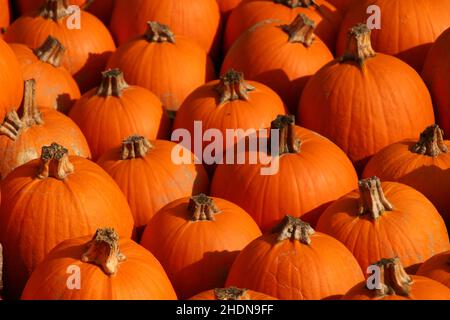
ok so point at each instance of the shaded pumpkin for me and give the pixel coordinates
(196, 240)
(115, 110)
(159, 59)
(304, 175)
(342, 4)
(365, 101)
(227, 6)
(52, 199)
(22, 136)
(231, 293)
(396, 284)
(55, 87)
(283, 57)
(437, 268)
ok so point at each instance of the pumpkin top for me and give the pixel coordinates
(202, 208)
(232, 86)
(135, 146)
(393, 278)
(51, 52)
(294, 229)
(431, 142)
(359, 47)
(158, 32)
(54, 163)
(231, 293)
(113, 83)
(372, 200)
(301, 30)
(55, 9)
(288, 141)
(103, 250)
(296, 3)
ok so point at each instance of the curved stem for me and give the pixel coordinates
(51, 51)
(301, 30)
(232, 86)
(372, 199)
(202, 208)
(55, 9)
(231, 293)
(113, 83)
(54, 163)
(359, 47)
(296, 3)
(288, 142)
(393, 278)
(158, 32)
(431, 142)
(135, 146)
(295, 229)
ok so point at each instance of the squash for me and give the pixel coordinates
(5, 16)
(437, 268)
(231, 293)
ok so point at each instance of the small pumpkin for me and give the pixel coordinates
(148, 177)
(365, 101)
(396, 284)
(386, 219)
(111, 268)
(52, 199)
(159, 59)
(437, 268)
(231, 293)
(295, 263)
(55, 87)
(196, 240)
(281, 56)
(22, 136)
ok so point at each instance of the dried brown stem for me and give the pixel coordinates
(232, 87)
(295, 229)
(135, 146)
(54, 163)
(113, 83)
(301, 30)
(359, 47)
(393, 278)
(158, 32)
(296, 3)
(231, 293)
(51, 51)
(55, 9)
(372, 199)
(431, 142)
(288, 141)
(202, 208)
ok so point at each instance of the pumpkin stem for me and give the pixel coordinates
(113, 83)
(135, 146)
(103, 250)
(54, 163)
(288, 142)
(359, 47)
(55, 9)
(51, 51)
(393, 278)
(372, 199)
(297, 3)
(294, 229)
(231, 293)
(158, 32)
(13, 125)
(431, 142)
(202, 208)
(232, 86)
(301, 30)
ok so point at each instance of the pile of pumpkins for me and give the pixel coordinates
(93, 205)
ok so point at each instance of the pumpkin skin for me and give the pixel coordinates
(149, 178)
(245, 295)
(381, 97)
(139, 277)
(77, 205)
(197, 251)
(146, 63)
(252, 12)
(283, 266)
(55, 87)
(227, 6)
(88, 48)
(5, 15)
(115, 110)
(406, 33)
(370, 236)
(276, 57)
(436, 76)
(342, 4)
(437, 268)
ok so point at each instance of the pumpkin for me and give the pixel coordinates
(252, 12)
(116, 110)
(111, 268)
(11, 80)
(158, 60)
(148, 177)
(55, 87)
(25, 6)
(405, 31)
(396, 284)
(227, 6)
(5, 13)
(386, 219)
(342, 4)
(304, 176)
(88, 47)
(52, 199)
(282, 57)
(364, 100)
(196, 240)
(21, 137)
(231, 293)
(423, 165)
(295, 263)
(199, 20)
(436, 76)
(437, 268)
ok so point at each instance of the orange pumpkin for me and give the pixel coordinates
(149, 178)
(5, 15)
(296, 263)
(55, 87)
(197, 239)
(308, 173)
(88, 46)
(365, 101)
(405, 31)
(116, 110)
(50, 200)
(437, 268)
(396, 284)
(252, 12)
(231, 293)
(386, 219)
(21, 137)
(423, 165)
(227, 6)
(282, 57)
(158, 60)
